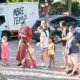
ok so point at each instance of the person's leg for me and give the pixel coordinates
(42, 60)
(70, 62)
(19, 52)
(23, 61)
(65, 57)
(70, 65)
(5, 62)
(46, 58)
(19, 44)
(75, 62)
(0, 51)
(49, 60)
(65, 60)
(52, 60)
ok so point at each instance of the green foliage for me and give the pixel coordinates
(27, 0)
(49, 2)
(58, 5)
(2, 1)
(41, 1)
(9, 1)
(75, 8)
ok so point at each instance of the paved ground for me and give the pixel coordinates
(12, 72)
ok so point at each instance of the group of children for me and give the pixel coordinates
(47, 46)
(30, 58)
(25, 55)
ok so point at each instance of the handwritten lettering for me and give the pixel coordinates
(19, 15)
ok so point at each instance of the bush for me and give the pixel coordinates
(75, 8)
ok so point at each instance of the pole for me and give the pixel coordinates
(69, 6)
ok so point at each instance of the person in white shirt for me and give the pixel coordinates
(43, 45)
(64, 34)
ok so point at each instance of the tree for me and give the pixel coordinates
(2, 1)
(75, 8)
(68, 4)
(9, 1)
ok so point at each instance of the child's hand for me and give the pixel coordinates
(38, 44)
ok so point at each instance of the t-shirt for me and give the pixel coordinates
(43, 40)
(69, 39)
(74, 39)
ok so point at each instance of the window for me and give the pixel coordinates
(55, 22)
(36, 25)
(2, 20)
(79, 25)
(69, 19)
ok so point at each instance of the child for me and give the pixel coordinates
(44, 47)
(5, 50)
(51, 51)
(30, 59)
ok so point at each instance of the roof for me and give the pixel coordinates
(52, 17)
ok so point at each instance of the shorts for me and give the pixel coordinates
(63, 50)
(44, 49)
(74, 58)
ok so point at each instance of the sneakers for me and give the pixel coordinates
(44, 67)
(68, 70)
(19, 64)
(72, 74)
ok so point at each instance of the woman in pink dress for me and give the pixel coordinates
(5, 50)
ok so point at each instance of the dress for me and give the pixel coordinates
(30, 60)
(5, 51)
(26, 35)
(21, 52)
(51, 49)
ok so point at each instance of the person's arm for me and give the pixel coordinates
(54, 46)
(64, 38)
(37, 31)
(51, 27)
(67, 36)
(20, 34)
(41, 41)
